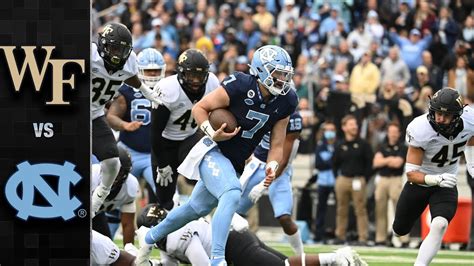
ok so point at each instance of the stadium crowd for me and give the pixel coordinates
(377, 61)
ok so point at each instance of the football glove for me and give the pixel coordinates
(164, 176)
(442, 180)
(152, 95)
(256, 192)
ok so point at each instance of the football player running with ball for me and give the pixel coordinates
(112, 63)
(172, 125)
(260, 102)
(435, 142)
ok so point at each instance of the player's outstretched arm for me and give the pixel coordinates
(275, 154)
(214, 100)
(114, 116)
(149, 93)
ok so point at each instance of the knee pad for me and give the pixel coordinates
(439, 223)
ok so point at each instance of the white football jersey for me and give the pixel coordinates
(125, 199)
(177, 242)
(441, 155)
(181, 123)
(104, 85)
(103, 250)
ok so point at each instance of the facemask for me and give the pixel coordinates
(329, 134)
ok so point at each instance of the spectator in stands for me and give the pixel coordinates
(330, 23)
(365, 78)
(311, 32)
(373, 26)
(359, 40)
(263, 18)
(468, 30)
(344, 56)
(412, 48)
(325, 180)
(424, 18)
(446, 28)
(249, 35)
(353, 168)
(393, 105)
(462, 78)
(436, 73)
(389, 162)
(402, 17)
(393, 68)
(289, 10)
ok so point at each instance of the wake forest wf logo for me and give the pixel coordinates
(37, 74)
(31, 179)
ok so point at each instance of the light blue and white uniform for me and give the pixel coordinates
(280, 191)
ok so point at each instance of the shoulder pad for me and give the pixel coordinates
(213, 81)
(131, 65)
(168, 89)
(468, 118)
(417, 134)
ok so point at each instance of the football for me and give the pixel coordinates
(220, 116)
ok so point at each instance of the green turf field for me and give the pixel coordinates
(376, 255)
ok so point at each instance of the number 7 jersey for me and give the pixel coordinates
(104, 85)
(441, 155)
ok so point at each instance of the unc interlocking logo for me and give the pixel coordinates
(268, 54)
(30, 177)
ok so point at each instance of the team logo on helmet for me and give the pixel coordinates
(107, 29)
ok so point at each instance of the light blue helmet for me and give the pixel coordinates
(151, 59)
(272, 65)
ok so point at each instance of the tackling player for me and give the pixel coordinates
(435, 142)
(191, 244)
(112, 63)
(280, 191)
(122, 197)
(172, 125)
(130, 113)
(260, 102)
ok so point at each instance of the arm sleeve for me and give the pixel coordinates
(196, 253)
(159, 119)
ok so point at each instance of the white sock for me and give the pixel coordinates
(109, 169)
(296, 242)
(432, 242)
(327, 258)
